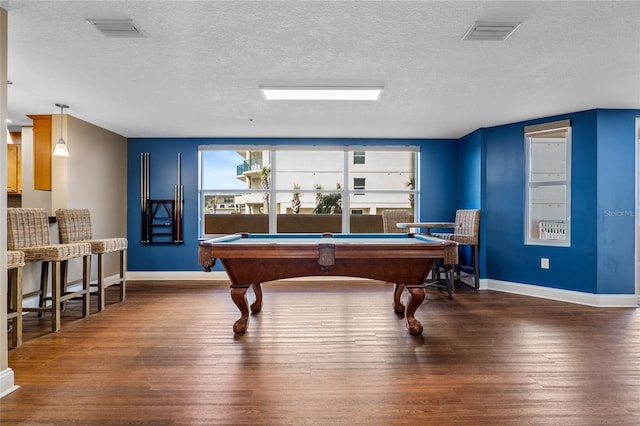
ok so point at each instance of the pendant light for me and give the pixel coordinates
(61, 149)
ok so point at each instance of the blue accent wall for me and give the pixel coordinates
(508, 258)
(163, 176)
(438, 180)
(601, 256)
(502, 213)
(485, 169)
(471, 176)
(470, 171)
(438, 201)
(615, 215)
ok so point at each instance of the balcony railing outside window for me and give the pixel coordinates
(253, 164)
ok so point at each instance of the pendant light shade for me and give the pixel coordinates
(61, 150)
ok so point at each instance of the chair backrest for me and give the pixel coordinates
(390, 218)
(468, 224)
(27, 227)
(74, 225)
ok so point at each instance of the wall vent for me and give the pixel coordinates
(117, 27)
(492, 31)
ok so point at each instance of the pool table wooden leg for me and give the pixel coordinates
(239, 297)
(415, 300)
(398, 307)
(257, 305)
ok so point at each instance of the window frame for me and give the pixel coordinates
(554, 228)
(273, 190)
(359, 189)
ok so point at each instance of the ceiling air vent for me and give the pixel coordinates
(117, 27)
(493, 31)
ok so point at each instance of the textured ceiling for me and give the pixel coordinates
(197, 72)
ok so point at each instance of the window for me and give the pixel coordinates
(267, 185)
(548, 197)
(358, 157)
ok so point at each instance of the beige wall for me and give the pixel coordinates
(94, 178)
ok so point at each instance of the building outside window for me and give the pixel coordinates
(289, 180)
(359, 185)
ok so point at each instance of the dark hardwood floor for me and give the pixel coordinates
(331, 353)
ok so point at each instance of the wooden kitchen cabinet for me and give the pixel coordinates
(41, 152)
(14, 169)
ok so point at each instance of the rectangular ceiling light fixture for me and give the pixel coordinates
(491, 31)
(321, 93)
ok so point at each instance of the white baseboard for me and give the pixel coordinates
(7, 384)
(580, 298)
(599, 300)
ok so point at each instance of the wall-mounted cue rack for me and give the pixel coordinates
(161, 219)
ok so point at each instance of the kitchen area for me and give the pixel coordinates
(29, 162)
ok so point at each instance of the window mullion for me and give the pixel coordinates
(346, 202)
(273, 214)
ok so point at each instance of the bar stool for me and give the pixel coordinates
(15, 263)
(466, 233)
(74, 225)
(390, 219)
(28, 231)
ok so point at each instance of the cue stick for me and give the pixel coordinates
(177, 211)
(144, 194)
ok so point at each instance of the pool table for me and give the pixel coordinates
(403, 259)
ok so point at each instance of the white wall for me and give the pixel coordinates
(6, 374)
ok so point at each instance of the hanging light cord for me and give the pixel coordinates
(62, 107)
(61, 149)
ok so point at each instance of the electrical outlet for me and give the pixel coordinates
(544, 263)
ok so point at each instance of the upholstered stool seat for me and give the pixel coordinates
(74, 225)
(15, 263)
(28, 231)
(107, 245)
(58, 252)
